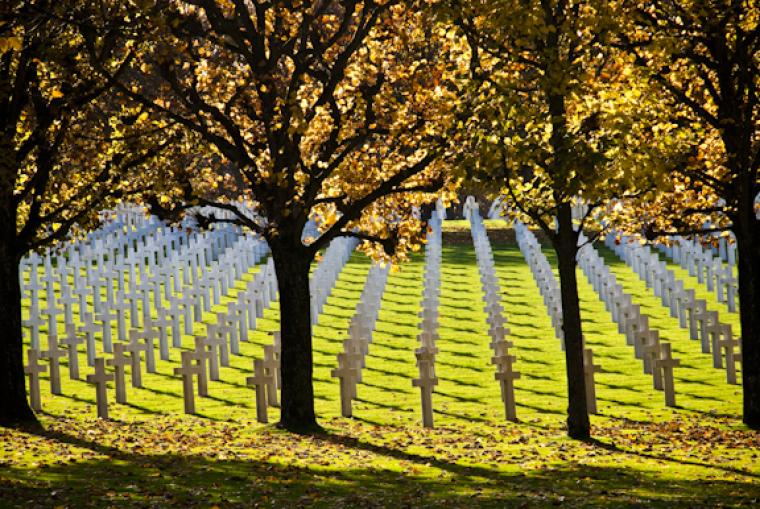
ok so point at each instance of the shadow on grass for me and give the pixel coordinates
(397, 390)
(129, 479)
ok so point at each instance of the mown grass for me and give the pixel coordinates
(643, 455)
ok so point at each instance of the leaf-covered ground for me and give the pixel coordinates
(643, 455)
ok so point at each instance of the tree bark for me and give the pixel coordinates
(14, 407)
(292, 263)
(566, 247)
(747, 231)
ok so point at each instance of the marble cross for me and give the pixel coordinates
(134, 347)
(506, 376)
(665, 365)
(105, 317)
(727, 344)
(260, 380)
(149, 334)
(425, 382)
(188, 370)
(89, 329)
(213, 358)
(119, 361)
(33, 369)
(271, 365)
(589, 369)
(347, 376)
(53, 354)
(101, 378)
(650, 350)
(72, 340)
(202, 357)
(162, 324)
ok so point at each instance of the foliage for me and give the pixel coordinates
(560, 114)
(705, 57)
(337, 110)
(69, 146)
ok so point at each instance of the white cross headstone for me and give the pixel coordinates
(105, 317)
(213, 360)
(134, 347)
(728, 344)
(589, 369)
(161, 325)
(425, 382)
(260, 381)
(665, 365)
(72, 340)
(347, 375)
(33, 369)
(100, 378)
(714, 332)
(271, 365)
(149, 334)
(219, 333)
(506, 377)
(202, 357)
(650, 350)
(53, 354)
(34, 323)
(119, 360)
(188, 370)
(89, 329)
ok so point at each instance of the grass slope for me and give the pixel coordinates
(645, 455)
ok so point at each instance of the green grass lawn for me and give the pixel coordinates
(645, 455)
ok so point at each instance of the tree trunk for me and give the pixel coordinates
(747, 231)
(14, 407)
(292, 264)
(566, 247)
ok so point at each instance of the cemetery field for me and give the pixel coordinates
(150, 454)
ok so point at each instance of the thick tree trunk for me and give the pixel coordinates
(566, 247)
(747, 233)
(297, 406)
(14, 407)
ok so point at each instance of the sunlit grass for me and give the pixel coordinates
(151, 454)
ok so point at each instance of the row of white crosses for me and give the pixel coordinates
(233, 253)
(708, 267)
(223, 337)
(692, 313)
(656, 355)
(326, 274)
(489, 281)
(543, 276)
(266, 379)
(210, 352)
(127, 281)
(61, 265)
(428, 324)
(549, 289)
(352, 359)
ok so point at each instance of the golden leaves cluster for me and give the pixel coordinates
(312, 125)
(559, 112)
(701, 55)
(79, 146)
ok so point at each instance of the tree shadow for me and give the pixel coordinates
(132, 479)
(402, 390)
(661, 457)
